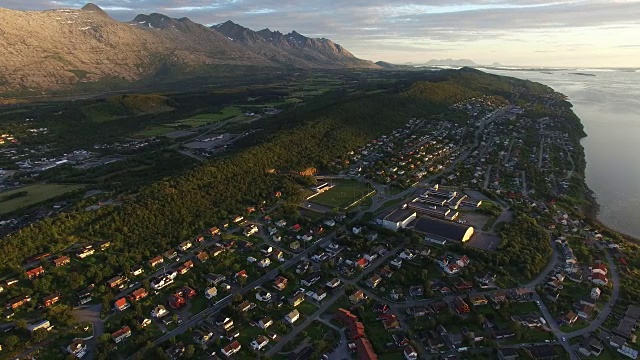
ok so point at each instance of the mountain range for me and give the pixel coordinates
(451, 62)
(60, 49)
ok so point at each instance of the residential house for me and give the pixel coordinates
(365, 350)
(217, 250)
(385, 271)
(77, 348)
(292, 317)
(297, 299)
(231, 348)
(156, 261)
(86, 251)
(588, 301)
(595, 293)
(51, 299)
(356, 230)
(584, 311)
(590, 346)
(265, 322)
(176, 301)
(259, 343)
(407, 255)
(202, 337)
(171, 254)
(35, 272)
(121, 304)
(185, 245)
(357, 296)
(374, 281)
(210, 293)
(356, 330)
(61, 261)
(294, 245)
(138, 294)
(137, 270)
(362, 263)
(477, 300)
(214, 231)
(241, 274)
(215, 279)
(460, 305)
(333, 283)
(569, 318)
(318, 294)
(159, 312)
(311, 279)
(599, 279)
(410, 353)
(345, 316)
(599, 268)
(246, 306)
(264, 262)
(116, 281)
(390, 322)
(202, 256)
(397, 262)
(280, 283)
(522, 294)
(121, 334)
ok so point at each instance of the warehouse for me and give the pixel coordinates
(443, 229)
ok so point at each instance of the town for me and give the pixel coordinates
(434, 241)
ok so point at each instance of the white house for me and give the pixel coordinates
(407, 255)
(264, 263)
(292, 317)
(397, 262)
(265, 323)
(357, 230)
(210, 293)
(259, 343)
(159, 312)
(595, 293)
(263, 296)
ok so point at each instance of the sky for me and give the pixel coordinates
(562, 33)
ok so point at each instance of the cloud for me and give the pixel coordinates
(405, 26)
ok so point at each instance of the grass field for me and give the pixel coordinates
(34, 194)
(205, 119)
(343, 194)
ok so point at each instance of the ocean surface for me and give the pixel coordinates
(608, 105)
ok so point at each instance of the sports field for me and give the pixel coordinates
(343, 194)
(32, 194)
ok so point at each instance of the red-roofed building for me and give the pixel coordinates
(241, 273)
(176, 301)
(599, 268)
(356, 330)
(121, 304)
(121, 334)
(460, 305)
(35, 272)
(599, 279)
(138, 294)
(61, 261)
(296, 227)
(51, 299)
(345, 316)
(362, 263)
(365, 349)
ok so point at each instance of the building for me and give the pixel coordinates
(138, 294)
(265, 322)
(232, 348)
(61, 261)
(18, 302)
(44, 324)
(159, 312)
(280, 283)
(364, 349)
(259, 343)
(121, 304)
(595, 293)
(51, 299)
(356, 330)
(77, 348)
(599, 279)
(116, 281)
(35, 272)
(357, 296)
(443, 230)
(156, 261)
(591, 346)
(292, 317)
(202, 256)
(297, 299)
(569, 318)
(398, 219)
(373, 281)
(121, 334)
(460, 305)
(137, 270)
(210, 293)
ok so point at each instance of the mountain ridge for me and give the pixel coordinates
(59, 50)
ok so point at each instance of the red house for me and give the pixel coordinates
(138, 294)
(61, 261)
(176, 301)
(51, 299)
(187, 292)
(35, 272)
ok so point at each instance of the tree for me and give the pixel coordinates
(189, 351)
(11, 342)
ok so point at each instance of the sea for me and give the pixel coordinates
(608, 104)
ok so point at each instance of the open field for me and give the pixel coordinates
(205, 119)
(343, 194)
(32, 194)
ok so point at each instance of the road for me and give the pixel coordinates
(226, 301)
